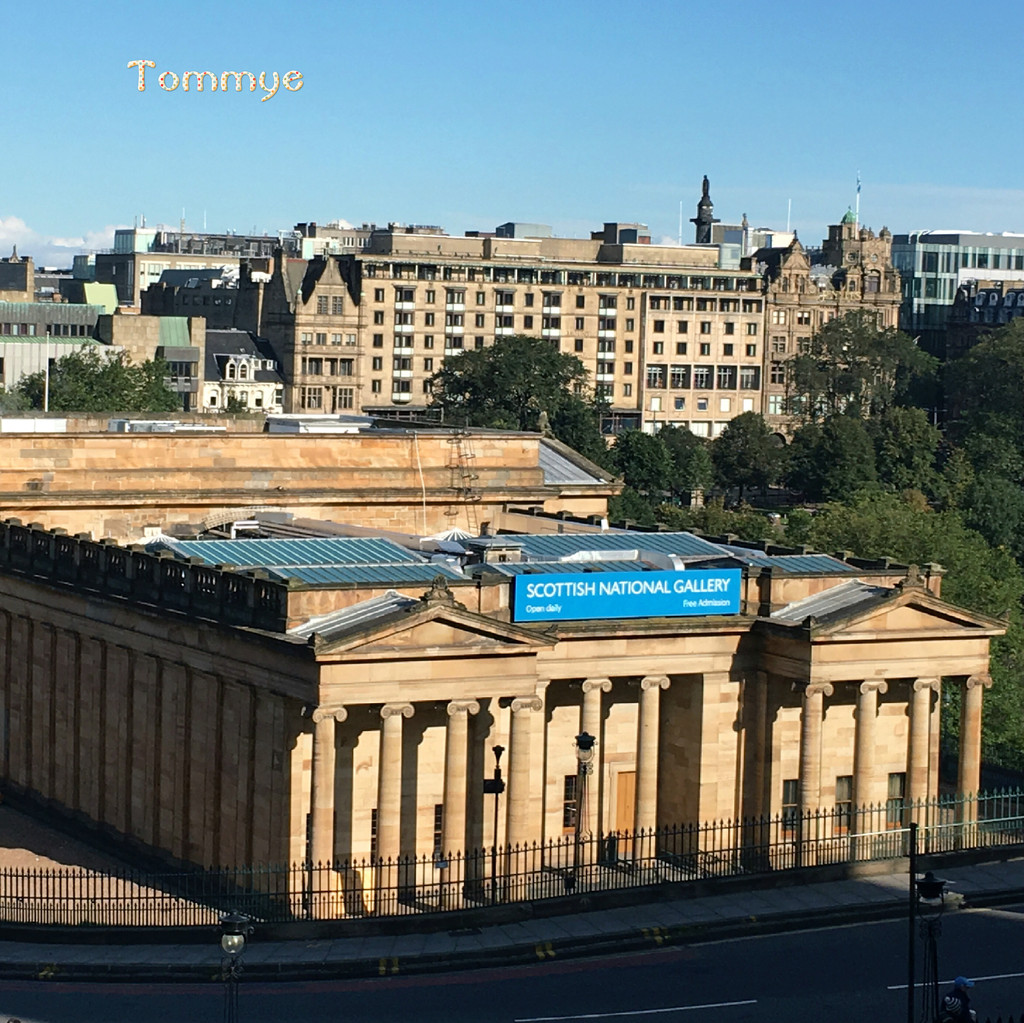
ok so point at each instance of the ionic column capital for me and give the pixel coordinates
(329, 714)
(981, 679)
(925, 683)
(602, 684)
(872, 686)
(390, 710)
(525, 703)
(654, 682)
(462, 707)
(808, 689)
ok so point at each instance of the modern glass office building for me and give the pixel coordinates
(933, 264)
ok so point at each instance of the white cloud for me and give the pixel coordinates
(50, 250)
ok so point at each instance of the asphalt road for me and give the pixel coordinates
(853, 974)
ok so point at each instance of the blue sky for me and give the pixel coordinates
(470, 114)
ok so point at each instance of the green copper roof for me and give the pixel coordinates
(174, 332)
(848, 217)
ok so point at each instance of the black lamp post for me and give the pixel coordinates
(233, 930)
(584, 766)
(931, 899)
(495, 786)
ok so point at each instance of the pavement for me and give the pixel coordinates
(596, 932)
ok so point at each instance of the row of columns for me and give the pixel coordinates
(519, 828)
(865, 741)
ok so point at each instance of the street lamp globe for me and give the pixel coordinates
(585, 750)
(931, 896)
(233, 929)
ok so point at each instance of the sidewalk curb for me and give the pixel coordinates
(628, 941)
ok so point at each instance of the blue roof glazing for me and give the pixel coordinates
(813, 564)
(272, 553)
(365, 574)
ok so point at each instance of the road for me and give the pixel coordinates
(849, 974)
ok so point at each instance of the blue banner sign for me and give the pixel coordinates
(579, 596)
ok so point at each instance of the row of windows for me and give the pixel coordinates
(573, 278)
(703, 378)
(704, 348)
(307, 337)
(333, 305)
(326, 399)
(327, 367)
(51, 329)
(706, 326)
(894, 803)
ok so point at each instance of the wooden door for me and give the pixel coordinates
(625, 800)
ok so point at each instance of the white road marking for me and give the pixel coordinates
(993, 976)
(634, 1012)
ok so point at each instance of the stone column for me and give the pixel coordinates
(646, 810)
(322, 845)
(325, 882)
(389, 780)
(453, 827)
(919, 744)
(517, 801)
(969, 773)
(811, 718)
(590, 722)
(865, 787)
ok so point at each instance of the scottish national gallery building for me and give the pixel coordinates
(340, 698)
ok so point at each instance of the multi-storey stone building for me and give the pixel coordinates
(667, 337)
(855, 274)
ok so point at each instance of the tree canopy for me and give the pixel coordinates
(90, 381)
(851, 366)
(746, 454)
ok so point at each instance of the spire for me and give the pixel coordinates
(14, 254)
(704, 218)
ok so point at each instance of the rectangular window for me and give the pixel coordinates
(528, 299)
(378, 294)
(481, 298)
(321, 338)
(681, 347)
(894, 801)
(627, 390)
(378, 362)
(680, 377)
(527, 323)
(680, 403)
(373, 830)
(630, 323)
(337, 305)
(321, 304)
(655, 376)
(428, 341)
(581, 301)
(703, 377)
(439, 853)
(790, 806)
(659, 347)
(378, 316)
(431, 296)
(428, 319)
(730, 328)
(344, 397)
(579, 322)
(378, 340)
(844, 803)
(803, 319)
(375, 386)
(705, 326)
(659, 326)
(578, 344)
(682, 327)
(726, 378)
(311, 397)
(779, 316)
(627, 368)
(752, 329)
(705, 348)
(569, 802)
(751, 351)
(776, 404)
(479, 320)
(777, 373)
(750, 378)
(726, 350)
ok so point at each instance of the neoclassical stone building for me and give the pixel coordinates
(334, 698)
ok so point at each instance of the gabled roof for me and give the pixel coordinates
(837, 602)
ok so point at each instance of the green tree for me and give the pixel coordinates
(746, 454)
(714, 519)
(994, 506)
(692, 468)
(980, 577)
(833, 460)
(986, 388)
(508, 384)
(851, 366)
(91, 380)
(235, 405)
(905, 448)
(643, 461)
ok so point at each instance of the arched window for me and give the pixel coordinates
(230, 371)
(243, 371)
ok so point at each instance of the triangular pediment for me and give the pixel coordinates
(910, 613)
(433, 630)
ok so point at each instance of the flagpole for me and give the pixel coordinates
(857, 212)
(46, 378)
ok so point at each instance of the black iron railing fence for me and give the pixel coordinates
(571, 864)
